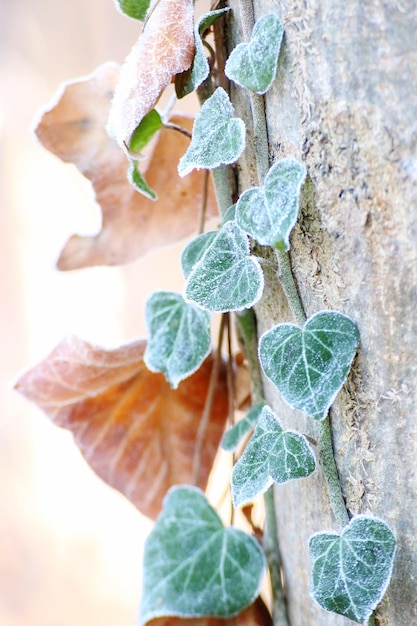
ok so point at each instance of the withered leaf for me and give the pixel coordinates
(254, 615)
(73, 128)
(135, 431)
(165, 48)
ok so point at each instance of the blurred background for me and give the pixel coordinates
(70, 547)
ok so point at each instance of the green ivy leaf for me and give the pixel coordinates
(188, 81)
(218, 137)
(193, 251)
(137, 179)
(309, 365)
(269, 213)
(351, 571)
(179, 336)
(133, 8)
(193, 565)
(227, 278)
(234, 435)
(272, 455)
(149, 125)
(254, 65)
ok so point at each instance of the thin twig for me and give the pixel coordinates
(205, 418)
(231, 394)
(203, 207)
(178, 128)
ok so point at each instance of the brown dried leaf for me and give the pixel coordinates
(255, 615)
(135, 431)
(73, 128)
(165, 48)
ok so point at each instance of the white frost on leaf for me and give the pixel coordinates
(165, 48)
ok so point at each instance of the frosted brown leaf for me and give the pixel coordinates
(165, 48)
(73, 128)
(135, 431)
(255, 615)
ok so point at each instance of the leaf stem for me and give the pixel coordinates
(286, 278)
(273, 556)
(202, 428)
(328, 464)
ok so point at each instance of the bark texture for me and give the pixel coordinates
(345, 102)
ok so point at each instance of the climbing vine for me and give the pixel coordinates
(194, 566)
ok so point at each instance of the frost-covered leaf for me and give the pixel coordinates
(309, 365)
(133, 8)
(164, 49)
(218, 137)
(193, 565)
(179, 336)
(254, 65)
(150, 124)
(193, 251)
(232, 438)
(188, 81)
(351, 571)
(272, 455)
(137, 433)
(269, 213)
(227, 278)
(72, 128)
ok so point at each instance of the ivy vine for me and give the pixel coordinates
(194, 565)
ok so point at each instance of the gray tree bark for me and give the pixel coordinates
(345, 102)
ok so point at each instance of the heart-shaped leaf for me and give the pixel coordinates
(137, 433)
(309, 365)
(133, 8)
(193, 252)
(269, 213)
(179, 336)
(193, 565)
(227, 278)
(351, 571)
(188, 81)
(218, 137)
(234, 435)
(254, 65)
(272, 455)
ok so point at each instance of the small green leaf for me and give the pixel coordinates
(309, 365)
(218, 137)
(193, 252)
(254, 65)
(227, 278)
(269, 213)
(194, 566)
(351, 571)
(138, 181)
(272, 455)
(179, 336)
(234, 435)
(133, 8)
(188, 81)
(150, 124)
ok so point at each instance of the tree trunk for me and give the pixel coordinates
(345, 102)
